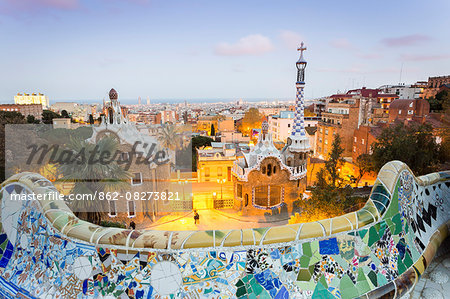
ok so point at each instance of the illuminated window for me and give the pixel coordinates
(239, 190)
(112, 208)
(268, 196)
(131, 209)
(219, 171)
(136, 179)
(261, 194)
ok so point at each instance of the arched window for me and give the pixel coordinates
(274, 169)
(269, 169)
(267, 196)
(246, 199)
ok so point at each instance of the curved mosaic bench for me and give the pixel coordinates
(380, 250)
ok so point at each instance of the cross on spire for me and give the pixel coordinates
(302, 48)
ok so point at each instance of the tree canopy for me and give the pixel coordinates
(331, 195)
(48, 116)
(414, 145)
(251, 120)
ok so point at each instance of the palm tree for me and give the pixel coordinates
(170, 139)
(91, 176)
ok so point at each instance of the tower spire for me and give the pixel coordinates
(299, 119)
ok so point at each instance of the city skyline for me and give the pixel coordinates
(75, 50)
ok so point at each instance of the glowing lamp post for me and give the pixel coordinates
(221, 182)
(182, 183)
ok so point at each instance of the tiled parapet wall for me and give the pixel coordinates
(382, 249)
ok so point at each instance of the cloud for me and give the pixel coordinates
(407, 40)
(370, 55)
(360, 69)
(31, 5)
(341, 43)
(291, 39)
(255, 44)
(411, 57)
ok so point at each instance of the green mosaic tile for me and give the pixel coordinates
(307, 249)
(3, 245)
(304, 275)
(362, 233)
(361, 276)
(342, 262)
(407, 260)
(321, 292)
(315, 247)
(240, 283)
(314, 259)
(363, 287)
(377, 227)
(390, 224)
(366, 269)
(393, 206)
(347, 288)
(306, 285)
(381, 280)
(265, 295)
(400, 266)
(373, 278)
(252, 296)
(323, 281)
(398, 224)
(373, 236)
(257, 288)
(241, 291)
(304, 261)
(334, 282)
(382, 228)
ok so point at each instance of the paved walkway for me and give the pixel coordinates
(209, 220)
(434, 283)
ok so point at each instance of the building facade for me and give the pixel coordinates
(34, 98)
(434, 83)
(268, 179)
(144, 177)
(409, 110)
(26, 109)
(214, 163)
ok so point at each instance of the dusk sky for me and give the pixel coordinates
(79, 49)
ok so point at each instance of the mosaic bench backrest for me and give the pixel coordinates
(382, 249)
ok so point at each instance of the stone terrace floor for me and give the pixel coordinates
(434, 282)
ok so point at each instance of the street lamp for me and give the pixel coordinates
(182, 183)
(221, 182)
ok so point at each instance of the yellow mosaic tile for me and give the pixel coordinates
(247, 237)
(311, 230)
(279, 234)
(233, 239)
(340, 224)
(177, 239)
(200, 239)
